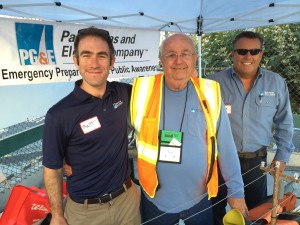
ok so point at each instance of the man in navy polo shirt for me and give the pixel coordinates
(88, 129)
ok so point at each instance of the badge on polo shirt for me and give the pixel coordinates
(117, 104)
(270, 93)
(90, 125)
(228, 109)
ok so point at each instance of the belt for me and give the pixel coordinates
(249, 155)
(107, 197)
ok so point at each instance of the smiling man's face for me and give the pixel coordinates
(178, 59)
(246, 65)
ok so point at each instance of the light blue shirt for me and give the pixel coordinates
(184, 185)
(254, 115)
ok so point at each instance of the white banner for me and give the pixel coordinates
(37, 52)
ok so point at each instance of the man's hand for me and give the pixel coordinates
(281, 167)
(58, 220)
(239, 204)
(67, 169)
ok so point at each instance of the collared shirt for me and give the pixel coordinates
(184, 185)
(91, 135)
(263, 113)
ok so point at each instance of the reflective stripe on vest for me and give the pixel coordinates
(144, 111)
(210, 102)
(145, 117)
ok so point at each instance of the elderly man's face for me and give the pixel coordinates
(178, 58)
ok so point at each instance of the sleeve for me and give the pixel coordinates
(283, 126)
(54, 143)
(129, 125)
(228, 159)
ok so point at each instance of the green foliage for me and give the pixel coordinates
(282, 54)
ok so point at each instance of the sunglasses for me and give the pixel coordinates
(254, 51)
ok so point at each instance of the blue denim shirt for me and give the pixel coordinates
(263, 113)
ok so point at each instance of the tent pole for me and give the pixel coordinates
(199, 34)
(199, 57)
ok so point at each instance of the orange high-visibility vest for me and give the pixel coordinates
(145, 108)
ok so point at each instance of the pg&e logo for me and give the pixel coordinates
(35, 44)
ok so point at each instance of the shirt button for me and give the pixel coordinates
(104, 110)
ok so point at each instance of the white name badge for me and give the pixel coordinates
(169, 154)
(90, 125)
(228, 109)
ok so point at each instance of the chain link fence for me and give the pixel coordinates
(20, 151)
(21, 164)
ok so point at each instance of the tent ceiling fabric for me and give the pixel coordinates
(163, 15)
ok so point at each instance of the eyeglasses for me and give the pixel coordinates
(173, 55)
(254, 51)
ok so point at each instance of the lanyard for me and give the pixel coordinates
(164, 102)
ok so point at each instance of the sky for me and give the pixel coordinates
(19, 102)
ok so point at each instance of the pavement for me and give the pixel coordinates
(293, 164)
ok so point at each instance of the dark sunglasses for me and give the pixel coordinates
(255, 51)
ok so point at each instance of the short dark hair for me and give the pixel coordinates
(93, 31)
(250, 35)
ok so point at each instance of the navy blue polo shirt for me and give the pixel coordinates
(91, 135)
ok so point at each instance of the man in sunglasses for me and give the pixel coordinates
(88, 129)
(258, 106)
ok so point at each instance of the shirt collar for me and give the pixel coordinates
(234, 74)
(83, 95)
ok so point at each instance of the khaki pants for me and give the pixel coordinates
(123, 210)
